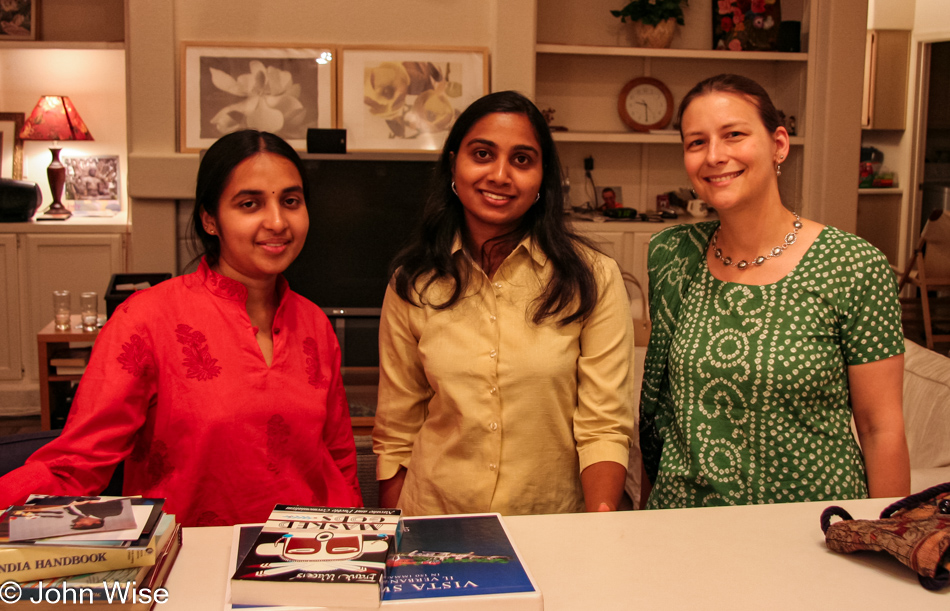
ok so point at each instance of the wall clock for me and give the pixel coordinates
(645, 103)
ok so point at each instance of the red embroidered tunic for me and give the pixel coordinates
(178, 387)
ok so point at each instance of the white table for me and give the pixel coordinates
(755, 557)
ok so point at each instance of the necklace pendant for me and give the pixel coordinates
(727, 261)
(742, 264)
(760, 260)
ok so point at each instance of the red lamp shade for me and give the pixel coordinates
(54, 118)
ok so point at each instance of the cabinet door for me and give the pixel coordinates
(611, 244)
(75, 262)
(10, 361)
(637, 248)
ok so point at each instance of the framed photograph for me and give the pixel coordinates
(17, 20)
(406, 99)
(92, 183)
(11, 147)
(746, 25)
(609, 197)
(283, 89)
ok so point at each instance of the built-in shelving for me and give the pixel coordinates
(65, 45)
(563, 49)
(885, 191)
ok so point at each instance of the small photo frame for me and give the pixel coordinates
(11, 147)
(18, 20)
(282, 88)
(92, 183)
(406, 99)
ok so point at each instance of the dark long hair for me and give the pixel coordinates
(429, 254)
(738, 85)
(215, 171)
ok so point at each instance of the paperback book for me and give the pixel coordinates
(317, 556)
(24, 522)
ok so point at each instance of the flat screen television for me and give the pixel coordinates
(362, 211)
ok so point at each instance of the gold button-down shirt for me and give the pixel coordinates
(491, 412)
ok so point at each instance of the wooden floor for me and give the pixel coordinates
(911, 319)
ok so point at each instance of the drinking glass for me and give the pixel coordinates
(61, 310)
(89, 306)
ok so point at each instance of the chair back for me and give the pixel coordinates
(15, 449)
(936, 236)
(639, 308)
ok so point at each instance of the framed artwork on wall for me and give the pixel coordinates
(92, 184)
(17, 20)
(406, 99)
(11, 147)
(283, 89)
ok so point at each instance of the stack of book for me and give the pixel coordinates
(447, 562)
(70, 361)
(108, 551)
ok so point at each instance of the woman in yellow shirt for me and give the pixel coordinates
(506, 344)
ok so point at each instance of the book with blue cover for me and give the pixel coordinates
(462, 560)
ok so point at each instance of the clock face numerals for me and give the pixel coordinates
(646, 104)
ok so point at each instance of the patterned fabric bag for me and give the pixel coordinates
(915, 530)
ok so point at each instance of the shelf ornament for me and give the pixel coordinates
(654, 21)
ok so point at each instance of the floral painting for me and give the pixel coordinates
(407, 99)
(746, 25)
(284, 90)
(16, 19)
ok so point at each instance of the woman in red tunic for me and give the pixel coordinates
(220, 389)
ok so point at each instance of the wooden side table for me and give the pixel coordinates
(48, 341)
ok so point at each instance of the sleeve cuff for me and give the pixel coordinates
(613, 450)
(388, 466)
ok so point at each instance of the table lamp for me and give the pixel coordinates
(55, 118)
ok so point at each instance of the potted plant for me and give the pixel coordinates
(654, 21)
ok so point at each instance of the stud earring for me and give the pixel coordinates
(454, 190)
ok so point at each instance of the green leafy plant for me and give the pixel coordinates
(652, 12)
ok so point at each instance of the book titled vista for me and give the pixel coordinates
(317, 556)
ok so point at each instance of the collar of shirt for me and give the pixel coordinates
(527, 244)
(228, 288)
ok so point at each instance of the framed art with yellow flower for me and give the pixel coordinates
(406, 99)
(284, 89)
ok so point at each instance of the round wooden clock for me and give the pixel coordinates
(645, 103)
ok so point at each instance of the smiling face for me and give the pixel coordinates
(497, 172)
(262, 219)
(730, 156)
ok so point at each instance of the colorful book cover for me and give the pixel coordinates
(26, 522)
(459, 559)
(317, 556)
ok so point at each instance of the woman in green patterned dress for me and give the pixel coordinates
(769, 333)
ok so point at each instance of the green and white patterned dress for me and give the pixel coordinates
(756, 405)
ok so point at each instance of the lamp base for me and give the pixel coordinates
(56, 173)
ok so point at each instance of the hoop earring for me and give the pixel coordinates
(454, 190)
(537, 197)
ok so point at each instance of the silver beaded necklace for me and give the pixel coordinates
(790, 239)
